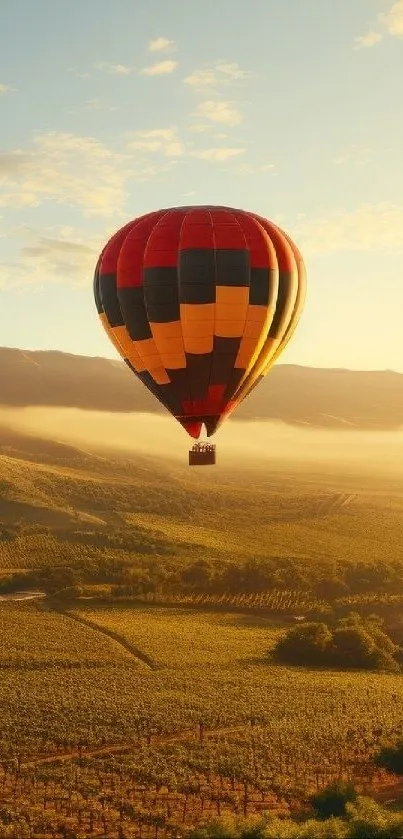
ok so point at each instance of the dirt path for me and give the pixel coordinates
(119, 748)
(114, 636)
(389, 794)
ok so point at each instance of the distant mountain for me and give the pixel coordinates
(293, 394)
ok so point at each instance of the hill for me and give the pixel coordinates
(59, 503)
(293, 394)
(144, 680)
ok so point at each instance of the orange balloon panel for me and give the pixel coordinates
(200, 302)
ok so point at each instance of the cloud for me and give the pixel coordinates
(71, 170)
(249, 169)
(201, 127)
(163, 140)
(354, 155)
(115, 69)
(162, 68)
(215, 76)
(12, 163)
(105, 67)
(6, 88)
(60, 254)
(218, 154)
(77, 74)
(167, 142)
(95, 105)
(368, 40)
(61, 258)
(369, 228)
(393, 19)
(161, 45)
(66, 169)
(391, 22)
(218, 111)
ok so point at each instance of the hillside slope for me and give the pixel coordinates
(58, 503)
(296, 395)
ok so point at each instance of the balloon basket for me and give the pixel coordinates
(202, 454)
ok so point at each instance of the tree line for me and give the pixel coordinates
(136, 575)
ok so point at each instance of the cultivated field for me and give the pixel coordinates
(129, 718)
(175, 713)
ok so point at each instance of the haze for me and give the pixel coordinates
(257, 442)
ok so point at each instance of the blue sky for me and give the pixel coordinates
(292, 109)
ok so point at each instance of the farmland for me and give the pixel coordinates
(60, 504)
(139, 696)
(207, 725)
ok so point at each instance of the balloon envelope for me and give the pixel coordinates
(200, 302)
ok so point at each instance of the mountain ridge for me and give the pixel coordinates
(296, 395)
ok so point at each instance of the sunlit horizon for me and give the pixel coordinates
(176, 107)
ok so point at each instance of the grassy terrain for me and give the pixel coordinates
(174, 712)
(59, 504)
(117, 715)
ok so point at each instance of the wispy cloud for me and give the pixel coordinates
(105, 67)
(67, 169)
(355, 155)
(115, 69)
(164, 140)
(162, 68)
(78, 74)
(201, 127)
(161, 45)
(369, 40)
(212, 80)
(219, 154)
(370, 227)
(389, 23)
(167, 142)
(60, 254)
(218, 111)
(11, 163)
(215, 76)
(250, 169)
(59, 258)
(95, 105)
(5, 88)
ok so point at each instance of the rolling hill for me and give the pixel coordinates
(293, 394)
(59, 503)
(130, 673)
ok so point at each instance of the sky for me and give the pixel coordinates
(288, 108)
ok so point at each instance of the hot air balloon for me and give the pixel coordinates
(200, 302)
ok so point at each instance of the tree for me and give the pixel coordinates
(331, 588)
(353, 647)
(304, 645)
(390, 757)
(367, 819)
(198, 575)
(332, 801)
(69, 594)
(362, 643)
(353, 644)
